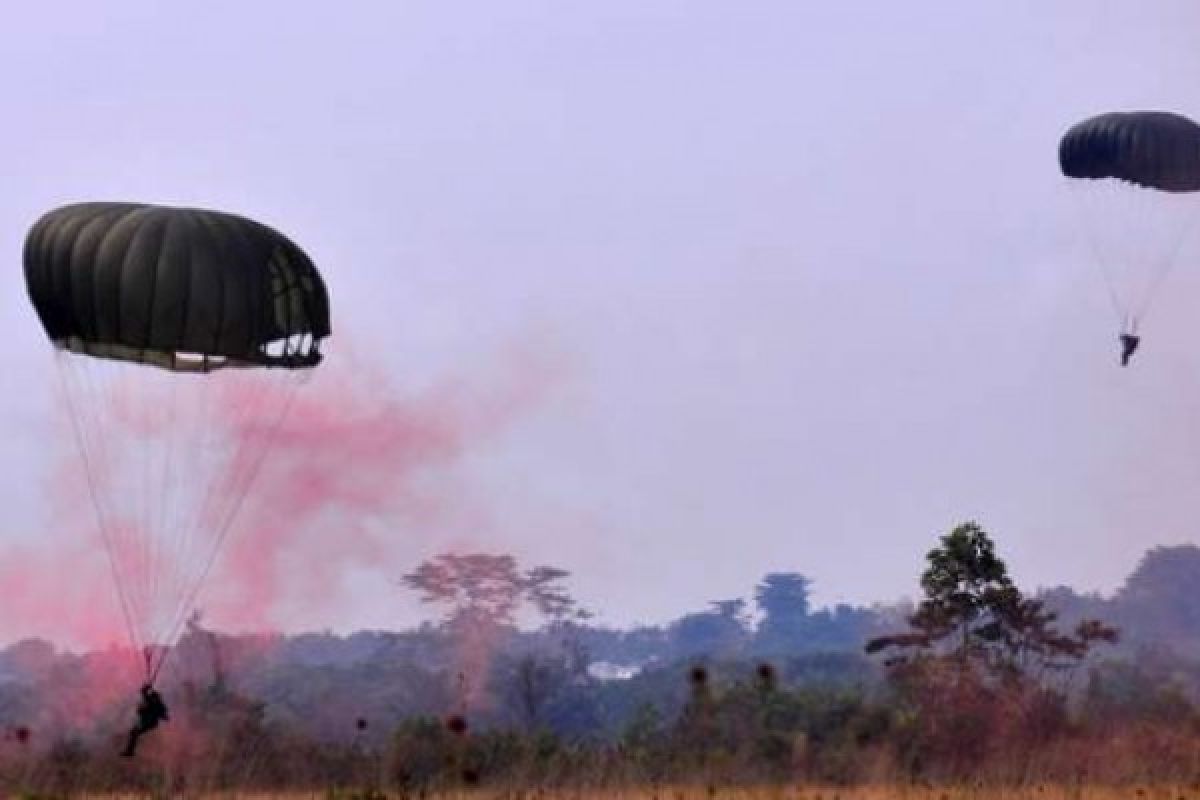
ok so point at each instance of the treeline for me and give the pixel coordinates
(977, 678)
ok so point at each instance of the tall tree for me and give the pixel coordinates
(486, 587)
(481, 594)
(783, 600)
(474, 587)
(978, 662)
(972, 615)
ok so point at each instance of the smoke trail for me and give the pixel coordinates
(354, 465)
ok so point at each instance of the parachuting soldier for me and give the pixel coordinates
(1129, 343)
(151, 712)
(1147, 165)
(166, 292)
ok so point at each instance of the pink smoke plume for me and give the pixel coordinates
(351, 467)
(353, 463)
(61, 590)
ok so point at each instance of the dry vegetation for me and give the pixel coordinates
(877, 792)
(983, 695)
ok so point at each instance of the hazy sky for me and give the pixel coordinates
(807, 272)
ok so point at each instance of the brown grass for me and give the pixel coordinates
(781, 792)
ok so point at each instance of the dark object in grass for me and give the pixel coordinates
(456, 724)
(698, 676)
(767, 677)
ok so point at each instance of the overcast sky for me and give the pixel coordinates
(808, 272)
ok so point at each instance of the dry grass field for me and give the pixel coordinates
(882, 792)
(879, 792)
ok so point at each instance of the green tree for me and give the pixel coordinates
(974, 668)
(974, 617)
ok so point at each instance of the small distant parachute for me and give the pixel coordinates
(180, 336)
(1136, 176)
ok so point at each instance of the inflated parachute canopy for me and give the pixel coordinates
(1154, 149)
(179, 288)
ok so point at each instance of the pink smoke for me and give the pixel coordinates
(354, 463)
(61, 589)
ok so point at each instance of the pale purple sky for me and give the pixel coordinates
(810, 267)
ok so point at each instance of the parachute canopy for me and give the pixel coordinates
(1154, 149)
(178, 288)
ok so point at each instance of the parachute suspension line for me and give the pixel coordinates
(221, 503)
(108, 384)
(1166, 263)
(101, 517)
(165, 518)
(123, 397)
(141, 412)
(1135, 235)
(160, 530)
(1114, 297)
(179, 539)
(101, 392)
(104, 390)
(184, 539)
(240, 485)
(1099, 257)
(158, 413)
(251, 470)
(199, 518)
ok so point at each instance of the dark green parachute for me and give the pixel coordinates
(1154, 149)
(178, 288)
(145, 307)
(1136, 178)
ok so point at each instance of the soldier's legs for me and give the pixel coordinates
(135, 733)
